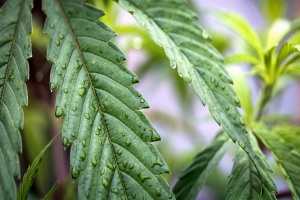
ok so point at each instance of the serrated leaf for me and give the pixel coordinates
(289, 133)
(238, 24)
(15, 49)
(245, 182)
(195, 176)
(51, 191)
(172, 25)
(31, 172)
(285, 154)
(110, 137)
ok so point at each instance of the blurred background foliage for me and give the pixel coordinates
(184, 124)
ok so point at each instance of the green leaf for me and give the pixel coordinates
(242, 58)
(110, 137)
(286, 156)
(245, 182)
(15, 49)
(32, 171)
(289, 133)
(51, 191)
(172, 25)
(238, 24)
(194, 177)
(243, 92)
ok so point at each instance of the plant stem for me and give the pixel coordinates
(265, 98)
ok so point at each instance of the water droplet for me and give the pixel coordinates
(74, 173)
(155, 136)
(87, 115)
(143, 24)
(179, 74)
(158, 193)
(173, 64)
(226, 93)
(216, 84)
(61, 36)
(227, 107)
(102, 171)
(64, 66)
(106, 104)
(234, 117)
(65, 142)
(83, 143)
(242, 121)
(170, 195)
(119, 152)
(157, 162)
(59, 73)
(128, 143)
(212, 80)
(94, 161)
(223, 87)
(105, 183)
(82, 155)
(241, 144)
(143, 178)
(237, 100)
(52, 25)
(59, 111)
(66, 91)
(74, 108)
(142, 100)
(205, 35)
(57, 42)
(135, 79)
(209, 67)
(87, 194)
(81, 91)
(134, 195)
(131, 166)
(52, 86)
(125, 163)
(73, 134)
(116, 190)
(109, 165)
(99, 127)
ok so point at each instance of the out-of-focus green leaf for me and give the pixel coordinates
(195, 176)
(242, 58)
(244, 94)
(273, 9)
(276, 32)
(290, 133)
(245, 182)
(15, 49)
(32, 171)
(238, 24)
(285, 154)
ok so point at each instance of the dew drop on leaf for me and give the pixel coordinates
(241, 144)
(87, 115)
(83, 143)
(65, 142)
(205, 35)
(158, 193)
(242, 121)
(128, 143)
(59, 111)
(105, 183)
(227, 107)
(81, 92)
(142, 100)
(74, 173)
(63, 66)
(116, 190)
(173, 64)
(52, 86)
(102, 171)
(135, 79)
(94, 161)
(125, 163)
(57, 42)
(61, 36)
(82, 155)
(66, 91)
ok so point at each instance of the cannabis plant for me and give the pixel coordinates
(110, 139)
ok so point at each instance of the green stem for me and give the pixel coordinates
(265, 98)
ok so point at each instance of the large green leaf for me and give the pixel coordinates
(194, 177)
(244, 181)
(110, 137)
(15, 49)
(285, 154)
(172, 25)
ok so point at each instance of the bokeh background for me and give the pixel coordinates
(184, 124)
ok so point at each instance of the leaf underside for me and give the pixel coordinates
(15, 49)
(172, 26)
(245, 182)
(285, 154)
(194, 177)
(110, 137)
